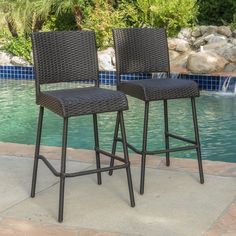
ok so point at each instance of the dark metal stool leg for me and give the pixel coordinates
(37, 148)
(114, 141)
(198, 149)
(63, 170)
(96, 139)
(167, 143)
(144, 148)
(126, 156)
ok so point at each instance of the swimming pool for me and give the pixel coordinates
(216, 115)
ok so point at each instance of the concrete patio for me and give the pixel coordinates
(174, 203)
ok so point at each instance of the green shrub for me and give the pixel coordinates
(102, 18)
(172, 15)
(62, 21)
(19, 46)
(216, 12)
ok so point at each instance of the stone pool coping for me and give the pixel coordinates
(224, 225)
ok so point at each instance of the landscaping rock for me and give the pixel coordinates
(234, 34)
(230, 54)
(205, 62)
(19, 61)
(196, 33)
(214, 46)
(5, 58)
(216, 38)
(231, 67)
(106, 59)
(180, 60)
(211, 29)
(185, 34)
(224, 30)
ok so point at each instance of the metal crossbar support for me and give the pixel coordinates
(80, 173)
(195, 143)
(62, 173)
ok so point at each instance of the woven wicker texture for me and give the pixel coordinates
(146, 50)
(65, 56)
(141, 50)
(71, 56)
(82, 101)
(159, 89)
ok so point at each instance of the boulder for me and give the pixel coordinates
(224, 30)
(180, 60)
(196, 33)
(212, 38)
(230, 54)
(172, 43)
(182, 45)
(5, 58)
(214, 46)
(185, 34)
(206, 30)
(233, 41)
(173, 54)
(221, 50)
(230, 67)
(199, 42)
(106, 59)
(234, 34)
(205, 62)
(19, 61)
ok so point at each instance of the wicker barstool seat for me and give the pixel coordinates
(71, 56)
(159, 89)
(83, 101)
(145, 50)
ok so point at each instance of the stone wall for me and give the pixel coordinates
(203, 50)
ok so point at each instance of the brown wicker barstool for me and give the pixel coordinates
(66, 57)
(146, 50)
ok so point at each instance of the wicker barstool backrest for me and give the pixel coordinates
(64, 56)
(141, 50)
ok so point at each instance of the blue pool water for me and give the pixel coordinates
(216, 115)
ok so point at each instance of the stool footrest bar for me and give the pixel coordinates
(110, 155)
(181, 138)
(80, 173)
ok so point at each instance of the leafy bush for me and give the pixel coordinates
(216, 12)
(19, 46)
(102, 18)
(173, 15)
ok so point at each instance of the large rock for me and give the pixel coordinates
(234, 33)
(173, 54)
(230, 54)
(180, 45)
(185, 34)
(196, 33)
(231, 67)
(199, 42)
(106, 59)
(19, 61)
(212, 38)
(205, 62)
(5, 58)
(224, 30)
(180, 60)
(206, 30)
(214, 46)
